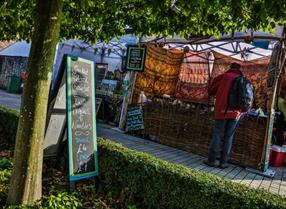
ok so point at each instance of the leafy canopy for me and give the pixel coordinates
(92, 20)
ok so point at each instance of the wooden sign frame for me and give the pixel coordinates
(129, 64)
(139, 116)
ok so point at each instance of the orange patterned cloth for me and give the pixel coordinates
(194, 77)
(161, 73)
(255, 71)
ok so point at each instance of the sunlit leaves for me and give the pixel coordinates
(92, 20)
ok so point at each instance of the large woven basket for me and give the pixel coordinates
(189, 127)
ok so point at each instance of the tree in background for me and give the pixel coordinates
(45, 22)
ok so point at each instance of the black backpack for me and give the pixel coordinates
(241, 94)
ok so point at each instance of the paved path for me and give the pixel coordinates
(10, 100)
(234, 173)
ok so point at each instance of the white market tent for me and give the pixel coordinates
(244, 46)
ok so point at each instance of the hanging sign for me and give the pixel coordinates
(81, 118)
(134, 119)
(135, 58)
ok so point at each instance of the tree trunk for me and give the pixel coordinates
(26, 181)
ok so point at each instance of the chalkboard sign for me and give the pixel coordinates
(134, 118)
(135, 58)
(81, 118)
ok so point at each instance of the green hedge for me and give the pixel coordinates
(8, 124)
(159, 184)
(155, 183)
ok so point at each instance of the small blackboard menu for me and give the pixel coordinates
(134, 118)
(135, 58)
(81, 118)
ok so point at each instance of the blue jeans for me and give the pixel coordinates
(222, 126)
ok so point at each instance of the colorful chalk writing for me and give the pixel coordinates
(135, 58)
(81, 118)
(134, 118)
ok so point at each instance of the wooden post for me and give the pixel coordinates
(133, 81)
(271, 110)
(72, 186)
(127, 100)
(210, 68)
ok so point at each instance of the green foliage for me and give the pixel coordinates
(8, 124)
(61, 200)
(159, 184)
(16, 19)
(131, 207)
(4, 181)
(92, 20)
(36, 205)
(5, 163)
(88, 196)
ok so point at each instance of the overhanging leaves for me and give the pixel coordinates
(92, 20)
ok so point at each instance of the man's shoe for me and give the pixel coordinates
(223, 166)
(209, 163)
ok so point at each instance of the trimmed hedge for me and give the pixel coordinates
(8, 124)
(158, 184)
(155, 183)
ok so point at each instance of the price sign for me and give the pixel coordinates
(134, 118)
(135, 58)
(81, 118)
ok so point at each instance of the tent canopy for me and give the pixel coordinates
(238, 50)
(18, 49)
(244, 46)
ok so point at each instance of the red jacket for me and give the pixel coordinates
(220, 87)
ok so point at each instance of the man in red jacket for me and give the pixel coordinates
(226, 118)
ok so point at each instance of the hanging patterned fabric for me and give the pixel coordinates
(161, 73)
(194, 77)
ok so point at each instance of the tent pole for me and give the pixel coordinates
(271, 110)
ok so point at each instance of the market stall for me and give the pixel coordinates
(185, 121)
(179, 110)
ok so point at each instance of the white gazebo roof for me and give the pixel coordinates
(233, 45)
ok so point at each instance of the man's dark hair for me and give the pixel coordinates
(235, 65)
